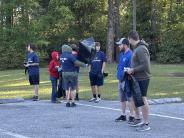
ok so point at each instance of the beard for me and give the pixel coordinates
(122, 50)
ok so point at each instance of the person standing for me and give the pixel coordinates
(96, 70)
(69, 73)
(32, 64)
(75, 53)
(54, 74)
(123, 78)
(140, 69)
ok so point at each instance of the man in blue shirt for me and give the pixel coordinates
(32, 64)
(69, 73)
(124, 82)
(96, 69)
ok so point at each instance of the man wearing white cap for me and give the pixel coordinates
(124, 82)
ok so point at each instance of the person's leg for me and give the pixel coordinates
(98, 92)
(73, 98)
(136, 110)
(54, 89)
(123, 101)
(36, 87)
(92, 78)
(131, 108)
(77, 89)
(145, 110)
(99, 83)
(68, 95)
(123, 108)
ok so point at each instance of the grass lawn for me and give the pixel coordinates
(166, 81)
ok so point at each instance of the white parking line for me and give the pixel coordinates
(114, 109)
(12, 134)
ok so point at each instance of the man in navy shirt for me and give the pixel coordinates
(96, 69)
(124, 82)
(69, 73)
(32, 64)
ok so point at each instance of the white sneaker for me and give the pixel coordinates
(92, 100)
(97, 100)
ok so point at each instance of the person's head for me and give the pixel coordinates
(97, 46)
(74, 47)
(123, 44)
(66, 48)
(31, 47)
(55, 55)
(133, 38)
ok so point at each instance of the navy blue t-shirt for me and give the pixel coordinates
(97, 62)
(124, 61)
(68, 62)
(33, 58)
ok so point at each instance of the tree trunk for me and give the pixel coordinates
(134, 14)
(117, 19)
(116, 27)
(110, 33)
(170, 16)
(154, 28)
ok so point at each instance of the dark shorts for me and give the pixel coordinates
(143, 84)
(96, 79)
(34, 79)
(69, 80)
(124, 91)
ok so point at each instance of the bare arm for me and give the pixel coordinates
(89, 68)
(103, 67)
(34, 64)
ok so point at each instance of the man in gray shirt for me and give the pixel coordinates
(140, 69)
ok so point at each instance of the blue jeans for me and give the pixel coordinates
(54, 88)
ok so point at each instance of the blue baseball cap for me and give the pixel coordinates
(123, 41)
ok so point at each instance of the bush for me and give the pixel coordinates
(11, 58)
(171, 48)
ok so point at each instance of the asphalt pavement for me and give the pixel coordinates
(43, 119)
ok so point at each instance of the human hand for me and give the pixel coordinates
(130, 71)
(57, 67)
(86, 65)
(26, 65)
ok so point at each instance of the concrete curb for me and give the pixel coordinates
(13, 100)
(150, 101)
(164, 100)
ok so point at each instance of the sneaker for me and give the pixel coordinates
(143, 127)
(92, 100)
(136, 123)
(131, 119)
(35, 98)
(97, 100)
(73, 105)
(121, 118)
(68, 104)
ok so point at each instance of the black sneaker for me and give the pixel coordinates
(35, 98)
(121, 118)
(68, 104)
(131, 119)
(73, 105)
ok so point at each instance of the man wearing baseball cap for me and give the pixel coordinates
(124, 82)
